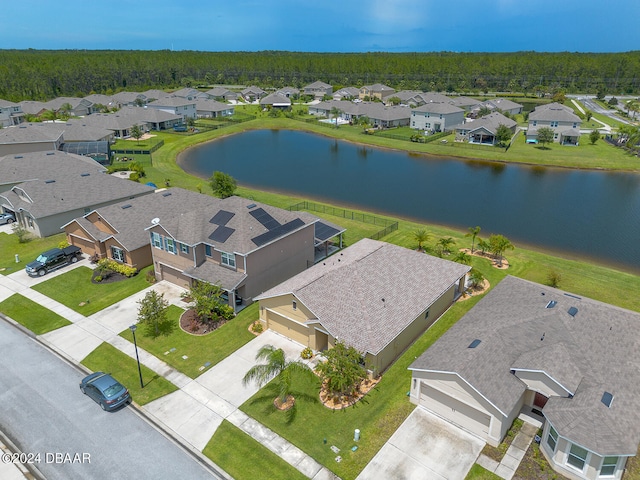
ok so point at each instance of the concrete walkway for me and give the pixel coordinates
(514, 455)
(193, 413)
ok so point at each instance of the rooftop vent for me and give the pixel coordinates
(572, 296)
(607, 399)
(475, 343)
(49, 181)
(166, 194)
(572, 311)
(18, 156)
(551, 304)
(85, 174)
(128, 205)
(253, 205)
(50, 153)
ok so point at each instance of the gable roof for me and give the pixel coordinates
(554, 112)
(489, 122)
(370, 292)
(276, 99)
(439, 108)
(171, 101)
(317, 85)
(203, 105)
(594, 351)
(501, 103)
(32, 107)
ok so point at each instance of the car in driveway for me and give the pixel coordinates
(7, 218)
(52, 260)
(105, 390)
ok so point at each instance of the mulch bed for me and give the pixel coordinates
(192, 324)
(488, 256)
(338, 403)
(286, 405)
(112, 277)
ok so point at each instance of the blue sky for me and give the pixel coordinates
(325, 26)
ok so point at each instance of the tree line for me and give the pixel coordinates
(45, 74)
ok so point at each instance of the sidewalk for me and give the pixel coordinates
(193, 413)
(514, 455)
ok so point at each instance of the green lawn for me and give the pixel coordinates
(31, 315)
(27, 252)
(107, 358)
(75, 287)
(212, 348)
(479, 473)
(243, 457)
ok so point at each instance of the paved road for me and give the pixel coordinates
(43, 411)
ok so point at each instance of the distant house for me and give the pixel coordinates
(97, 100)
(212, 109)
(483, 130)
(560, 118)
(131, 99)
(57, 187)
(154, 94)
(436, 117)
(379, 115)
(373, 296)
(346, 93)
(377, 90)
(221, 93)
(253, 93)
(123, 120)
(275, 100)
(32, 107)
(569, 360)
(176, 105)
(466, 103)
(10, 113)
(318, 89)
(242, 245)
(79, 106)
(191, 94)
(289, 92)
(500, 104)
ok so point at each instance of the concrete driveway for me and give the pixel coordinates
(425, 446)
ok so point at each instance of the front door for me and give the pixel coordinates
(540, 401)
(322, 341)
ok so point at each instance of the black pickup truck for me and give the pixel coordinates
(53, 259)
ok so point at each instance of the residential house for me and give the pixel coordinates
(289, 92)
(10, 113)
(560, 118)
(500, 104)
(377, 90)
(483, 130)
(346, 93)
(154, 94)
(318, 89)
(98, 101)
(118, 231)
(373, 296)
(569, 360)
(49, 189)
(275, 100)
(252, 93)
(243, 246)
(412, 98)
(222, 93)
(28, 137)
(175, 105)
(32, 107)
(79, 107)
(436, 117)
(466, 103)
(191, 94)
(212, 109)
(131, 99)
(119, 123)
(379, 115)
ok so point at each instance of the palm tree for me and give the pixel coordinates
(335, 113)
(65, 110)
(421, 236)
(445, 244)
(483, 245)
(276, 366)
(462, 257)
(498, 244)
(473, 233)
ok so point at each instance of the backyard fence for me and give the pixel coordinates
(389, 225)
(140, 150)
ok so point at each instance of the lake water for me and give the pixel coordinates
(585, 214)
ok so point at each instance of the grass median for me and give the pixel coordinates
(29, 314)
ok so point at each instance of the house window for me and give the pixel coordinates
(575, 125)
(427, 125)
(552, 438)
(228, 259)
(207, 250)
(577, 457)
(294, 304)
(117, 254)
(535, 122)
(609, 465)
(170, 245)
(426, 314)
(184, 248)
(554, 124)
(156, 240)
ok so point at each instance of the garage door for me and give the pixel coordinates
(455, 411)
(87, 246)
(288, 328)
(174, 276)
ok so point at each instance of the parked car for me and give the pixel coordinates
(7, 218)
(52, 260)
(105, 390)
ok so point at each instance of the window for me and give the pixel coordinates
(184, 248)
(117, 254)
(207, 250)
(426, 315)
(427, 125)
(535, 122)
(554, 124)
(294, 304)
(228, 259)
(575, 125)
(156, 240)
(552, 438)
(577, 457)
(609, 465)
(170, 245)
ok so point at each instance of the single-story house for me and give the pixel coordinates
(57, 187)
(483, 130)
(33, 107)
(132, 99)
(377, 90)
(503, 105)
(560, 118)
(221, 93)
(10, 113)
(212, 109)
(346, 93)
(318, 89)
(379, 115)
(97, 100)
(28, 137)
(154, 94)
(289, 92)
(190, 94)
(275, 100)
(373, 296)
(252, 93)
(568, 359)
(79, 106)
(466, 103)
(436, 117)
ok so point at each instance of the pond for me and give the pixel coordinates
(578, 213)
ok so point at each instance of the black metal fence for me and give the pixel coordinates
(140, 150)
(389, 225)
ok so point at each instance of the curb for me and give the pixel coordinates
(29, 471)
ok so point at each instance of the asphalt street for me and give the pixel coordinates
(66, 434)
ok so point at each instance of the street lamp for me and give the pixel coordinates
(133, 329)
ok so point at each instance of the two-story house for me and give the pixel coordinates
(176, 105)
(560, 118)
(243, 246)
(10, 113)
(436, 117)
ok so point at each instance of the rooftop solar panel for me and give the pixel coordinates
(324, 232)
(222, 217)
(277, 232)
(264, 218)
(221, 234)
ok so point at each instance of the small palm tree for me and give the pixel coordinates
(462, 257)
(498, 244)
(276, 367)
(483, 245)
(445, 244)
(421, 236)
(473, 233)
(335, 112)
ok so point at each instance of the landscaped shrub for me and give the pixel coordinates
(151, 276)
(306, 353)
(106, 264)
(134, 177)
(98, 278)
(63, 244)
(257, 327)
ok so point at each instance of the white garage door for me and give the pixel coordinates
(455, 411)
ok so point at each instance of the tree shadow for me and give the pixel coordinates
(164, 329)
(542, 147)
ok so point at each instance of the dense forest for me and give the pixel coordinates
(45, 74)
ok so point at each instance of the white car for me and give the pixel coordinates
(7, 218)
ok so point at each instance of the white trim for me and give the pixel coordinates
(549, 376)
(285, 316)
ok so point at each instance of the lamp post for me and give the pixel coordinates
(133, 329)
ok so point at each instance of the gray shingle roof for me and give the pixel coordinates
(554, 112)
(203, 105)
(171, 102)
(589, 353)
(489, 122)
(29, 133)
(32, 107)
(438, 108)
(275, 99)
(346, 291)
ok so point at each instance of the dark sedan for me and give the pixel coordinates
(105, 390)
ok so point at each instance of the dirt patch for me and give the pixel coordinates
(494, 260)
(111, 277)
(286, 405)
(343, 401)
(191, 323)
